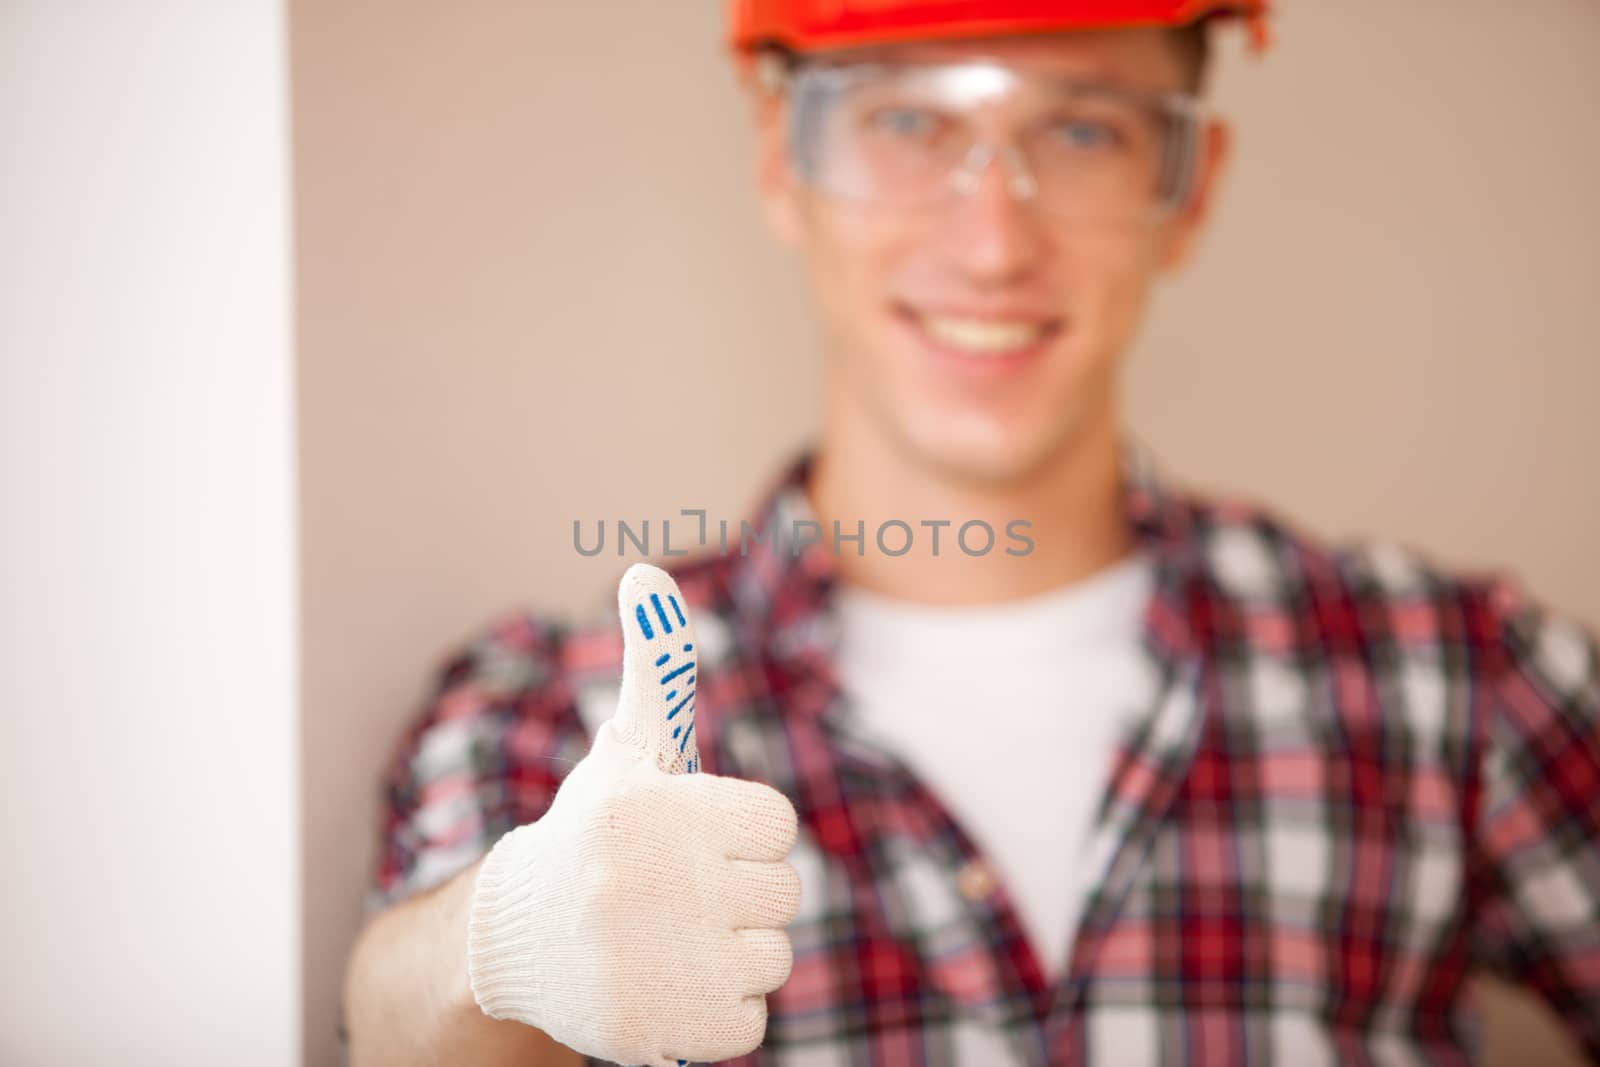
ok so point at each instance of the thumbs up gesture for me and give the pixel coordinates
(641, 919)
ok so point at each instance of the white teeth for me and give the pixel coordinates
(982, 337)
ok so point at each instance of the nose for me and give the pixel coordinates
(995, 235)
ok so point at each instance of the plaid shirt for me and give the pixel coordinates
(1363, 778)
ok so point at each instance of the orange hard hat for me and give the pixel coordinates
(809, 25)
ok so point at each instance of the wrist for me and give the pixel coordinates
(455, 981)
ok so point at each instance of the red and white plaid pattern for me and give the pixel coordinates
(1363, 778)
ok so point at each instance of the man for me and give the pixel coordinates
(1145, 778)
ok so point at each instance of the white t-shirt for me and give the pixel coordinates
(1010, 714)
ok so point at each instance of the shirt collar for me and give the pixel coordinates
(783, 596)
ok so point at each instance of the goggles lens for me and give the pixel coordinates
(909, 137)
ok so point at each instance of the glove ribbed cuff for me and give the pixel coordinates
(509, 947)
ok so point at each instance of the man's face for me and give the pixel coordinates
(980, 337)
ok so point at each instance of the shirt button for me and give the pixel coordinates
(976, 880)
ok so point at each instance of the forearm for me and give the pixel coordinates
(408, 1000)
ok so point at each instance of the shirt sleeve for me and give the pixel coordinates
(1535, 860)
(497, 734)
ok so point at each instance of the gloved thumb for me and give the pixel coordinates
(659, 661)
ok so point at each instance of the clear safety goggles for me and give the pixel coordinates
(908, 137)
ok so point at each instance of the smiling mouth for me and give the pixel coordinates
(982, 337)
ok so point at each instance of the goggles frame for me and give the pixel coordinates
(811, 84)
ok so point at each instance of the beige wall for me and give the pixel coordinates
(524, 231)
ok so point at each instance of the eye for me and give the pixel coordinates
(904, 122)
(1080, 133)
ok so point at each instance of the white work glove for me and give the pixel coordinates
(641, 919)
